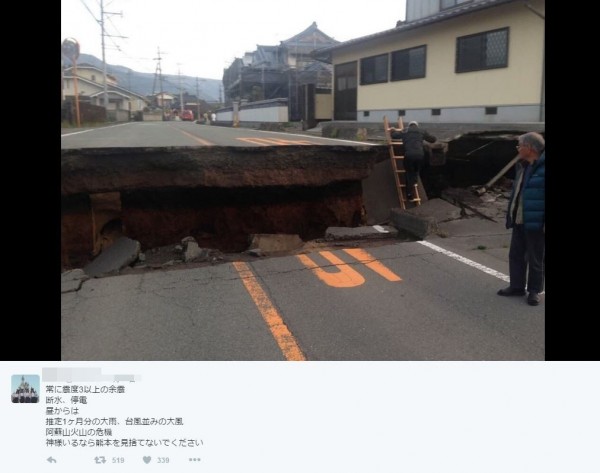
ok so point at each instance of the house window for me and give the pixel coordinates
(409, 63)
(374, 70)
(491, 110)
(436, 111)
(445, 4)
(366, 113)
(481, 51)
(401, 113)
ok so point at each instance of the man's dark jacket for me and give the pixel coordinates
(412, 139)
(533, 199)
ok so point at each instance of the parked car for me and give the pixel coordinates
(187, 115)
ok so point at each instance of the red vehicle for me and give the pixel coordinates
(187, 115)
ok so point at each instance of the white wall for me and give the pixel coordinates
(277, 114)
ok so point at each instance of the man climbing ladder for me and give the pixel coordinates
(414, 154)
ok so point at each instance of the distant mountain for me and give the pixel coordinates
(143, 83)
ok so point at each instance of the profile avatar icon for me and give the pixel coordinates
(27, 390)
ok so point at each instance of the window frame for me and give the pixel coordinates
(363, 63)
(407, 51)
(459, 69)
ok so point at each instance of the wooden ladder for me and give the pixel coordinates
(398, 166)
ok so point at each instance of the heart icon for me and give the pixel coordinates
(147, 459)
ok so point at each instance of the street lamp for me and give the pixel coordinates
(70, 48)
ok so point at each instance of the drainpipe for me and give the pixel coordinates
(543, 87)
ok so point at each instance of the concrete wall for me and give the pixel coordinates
(153, 116)
(118, 115)
(508, 114)
(275, 111)
(516, 90)
(265, 111)
(224, 115)
(275, 114)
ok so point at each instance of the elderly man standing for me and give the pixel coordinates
(527, 217)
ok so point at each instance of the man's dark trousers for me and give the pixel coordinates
(527, 249)
(412, 166)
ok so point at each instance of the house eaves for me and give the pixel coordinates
(111, 92)
(109, 87)
(91, 68)
(324, 54)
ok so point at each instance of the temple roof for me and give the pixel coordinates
(309, 39)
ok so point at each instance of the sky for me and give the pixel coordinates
(202, 37)
(33, 380)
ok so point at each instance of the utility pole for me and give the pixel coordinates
(160, 82)
(180, 94)
(105, 95)
(197, 100)
(70, 48)
(103, 35)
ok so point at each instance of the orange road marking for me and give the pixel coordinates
(274, 141)
(345, 276)
(371, 263)
(199, 140)
(284, 338)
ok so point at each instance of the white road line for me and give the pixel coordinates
(93, 129)
(462, 259)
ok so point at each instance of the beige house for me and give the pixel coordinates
(163, 100)
(467, 61)
(90, 86)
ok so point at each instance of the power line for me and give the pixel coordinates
(103, 13)
(90, 11)
(118, 35)
(116, 29)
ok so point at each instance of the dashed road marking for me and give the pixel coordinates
(284, 338)
(194, 137)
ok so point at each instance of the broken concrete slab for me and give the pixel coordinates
(418, 225)
(71, 281)
(193, 252)
(360, 233)
(274, 243)
(120, 254)
(439, 209)
(423, 220)
(490, 205)
(94, 170)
